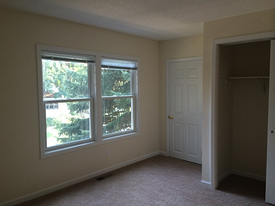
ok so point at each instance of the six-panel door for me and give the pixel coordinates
(185, 106)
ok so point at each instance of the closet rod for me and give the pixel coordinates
(248, 78)
(260, 79)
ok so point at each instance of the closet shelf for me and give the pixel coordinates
(263, 80)
(249, 78)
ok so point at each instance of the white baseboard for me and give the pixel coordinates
(163, 153)
(206, 184)
(75, 181)
(235, 172)
(225, 175)
(243, 174)
(249, 175)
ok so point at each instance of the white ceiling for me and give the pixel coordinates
(154, 19)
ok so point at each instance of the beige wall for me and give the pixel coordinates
(229, 27)
(174, 49)
(22, 172)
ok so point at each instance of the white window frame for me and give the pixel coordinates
(133, 96)
(95, 100)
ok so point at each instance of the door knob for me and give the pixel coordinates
(170, 117)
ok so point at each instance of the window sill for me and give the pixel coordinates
(63, 150)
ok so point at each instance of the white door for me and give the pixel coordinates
(185, 109)
(270, 170)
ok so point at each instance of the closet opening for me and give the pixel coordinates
(242, 113)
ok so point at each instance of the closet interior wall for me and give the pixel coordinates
(243, 110)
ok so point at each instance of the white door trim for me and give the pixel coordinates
(270, 166)
(168, 95)
(213, 156)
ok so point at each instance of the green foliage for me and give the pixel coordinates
(78, 107)
(50, 122)
(65, 79)
(120, 122)
(70, 80)
(115, 82)
(116, 112)
(77, 129)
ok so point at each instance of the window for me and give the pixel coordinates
(118, 89)
(71, 103)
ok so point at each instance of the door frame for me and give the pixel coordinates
(168, 95)
(214, 90)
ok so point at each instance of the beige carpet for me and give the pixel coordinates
(158, 181)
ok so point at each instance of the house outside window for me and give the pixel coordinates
(52, 106)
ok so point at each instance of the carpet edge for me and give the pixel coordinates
(76, 180)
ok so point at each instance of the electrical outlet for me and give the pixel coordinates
(107, 152)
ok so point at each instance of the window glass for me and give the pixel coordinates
(115, 82)
(69, 123)
(64, 79)
(118, 91)
(117, 115)
(52, 106)
(65, 82)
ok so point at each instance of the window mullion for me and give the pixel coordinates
(132, 82)
(90, 88)
(133, 112)
(98, 95)
(47, 101)
(117, 97)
